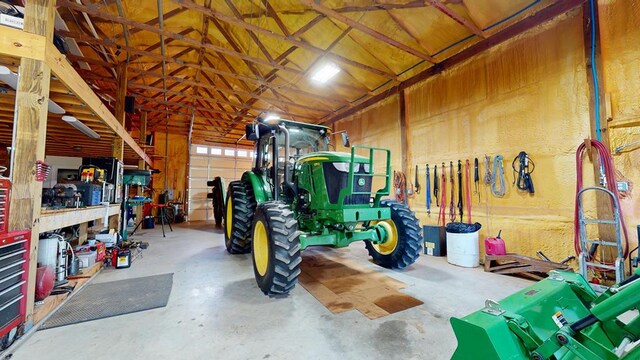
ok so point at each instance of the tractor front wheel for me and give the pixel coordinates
(275, 248)
(240, 207)
(404, 240)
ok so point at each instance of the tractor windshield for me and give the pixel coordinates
(303, 141)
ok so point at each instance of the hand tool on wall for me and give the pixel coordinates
(488, 177)
(443, 198)
(476, 177)
(498, 186)
(524, 169)
(452, 209)
(427, 190)
(436, 180)
(468, 190)
(460, 190)
(416, 186)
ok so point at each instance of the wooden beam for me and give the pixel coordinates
(72, 80)
(526, 24)
(98, 11)
(470, 25)
(371, 32)
(30, 131)
(21, 44)
(120, 114)
(292, 40)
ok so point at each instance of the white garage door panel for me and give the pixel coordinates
(206, 167)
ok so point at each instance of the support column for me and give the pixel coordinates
(597, 114)
(141, 163)
(29, 134)
(121, 93)
(403, 140)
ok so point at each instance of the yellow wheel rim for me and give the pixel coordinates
(260, 248)
(229, 217)
(390, 245)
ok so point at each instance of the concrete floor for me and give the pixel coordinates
(216, 311)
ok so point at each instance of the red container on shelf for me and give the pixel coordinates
(495, 245)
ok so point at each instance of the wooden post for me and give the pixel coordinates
(30, 130)
(403, 140)
(603, 208)
(121, 93)
(141, 163)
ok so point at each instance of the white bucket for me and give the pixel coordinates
(463, 249)
(48, 252)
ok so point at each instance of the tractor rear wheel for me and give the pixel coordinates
(240, 206)
(275, 248)
(404, 242)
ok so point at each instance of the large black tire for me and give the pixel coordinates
(218, 204)
(240, 207)
(409, 238)
(275, 248)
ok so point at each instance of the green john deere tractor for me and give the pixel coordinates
(300, 194)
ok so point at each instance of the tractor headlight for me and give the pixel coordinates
(341, 166)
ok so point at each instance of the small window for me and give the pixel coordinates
(242, 153)
(201, 150)
(216, 151)
(229, 152)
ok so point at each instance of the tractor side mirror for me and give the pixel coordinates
(252, 132)
(345, 139)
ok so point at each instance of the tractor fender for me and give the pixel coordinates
(261, 190)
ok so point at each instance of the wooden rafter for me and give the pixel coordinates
(470, 25)
(290, 39)
(371, 32)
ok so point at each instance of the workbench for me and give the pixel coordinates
(52, 219)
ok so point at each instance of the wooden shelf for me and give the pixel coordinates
(59, 218)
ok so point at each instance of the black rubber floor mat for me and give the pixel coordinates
(103, 300)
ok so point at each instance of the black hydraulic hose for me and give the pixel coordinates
(476, 177)
(524, 170)
(460, 205)
(584, 322)
(436, 186)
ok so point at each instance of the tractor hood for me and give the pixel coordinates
(331, 156)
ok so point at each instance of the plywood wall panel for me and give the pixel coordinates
(177, 157)
(529, 94)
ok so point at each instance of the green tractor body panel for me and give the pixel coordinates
(261, 189)
(560, 317)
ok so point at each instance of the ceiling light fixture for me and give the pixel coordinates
(73, 121)
(10, 78)
(271, 118)
(325, 72)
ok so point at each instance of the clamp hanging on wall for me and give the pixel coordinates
(427, 190)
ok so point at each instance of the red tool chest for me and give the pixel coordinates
(14, 271)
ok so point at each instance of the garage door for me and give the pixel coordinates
(207, 162)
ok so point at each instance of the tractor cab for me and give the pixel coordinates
(279, 145)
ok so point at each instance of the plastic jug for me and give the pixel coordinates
(495, 245)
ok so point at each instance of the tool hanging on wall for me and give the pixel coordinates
(427, 190)
(525, 168)
(488, 177)
(498, 177)
(436, 180)
(443, 198)
(399, 186)
(476, 177)
(452, 209)
(460, 189)
(416, 186)
(468, 188)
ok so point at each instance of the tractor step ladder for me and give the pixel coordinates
(585, 261)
